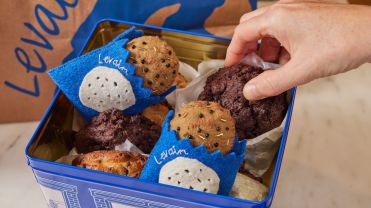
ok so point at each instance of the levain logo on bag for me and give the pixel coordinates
(48, 25)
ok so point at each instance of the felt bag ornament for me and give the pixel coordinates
(103, 79)
(176, 162)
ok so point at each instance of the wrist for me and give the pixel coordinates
(359, 39)
(366, 31)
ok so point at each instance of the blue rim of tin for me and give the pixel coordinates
(269, 198)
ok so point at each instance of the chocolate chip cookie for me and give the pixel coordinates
(205, 123)
(112, 161)
(155, 61)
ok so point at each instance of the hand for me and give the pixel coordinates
(319, 39)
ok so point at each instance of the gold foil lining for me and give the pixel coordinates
(54, 138)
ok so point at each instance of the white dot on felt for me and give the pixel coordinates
(99, 84)
(185, 173)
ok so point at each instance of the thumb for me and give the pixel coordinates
(271, 83)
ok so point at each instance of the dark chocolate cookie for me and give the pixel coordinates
(252, 118)
(112, 128)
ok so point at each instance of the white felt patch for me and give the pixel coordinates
(104, 88)
(191, 174)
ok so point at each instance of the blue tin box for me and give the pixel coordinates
(74, 187)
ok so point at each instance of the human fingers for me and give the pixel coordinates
(271, 83)
(244, 39)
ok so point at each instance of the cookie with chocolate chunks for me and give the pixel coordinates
(205, 123)
(155, 61)
(112, 161)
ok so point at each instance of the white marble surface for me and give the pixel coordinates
(18, 187)
(326, 163)
(328, 153)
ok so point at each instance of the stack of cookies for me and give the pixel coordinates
(217, 123)
(123, 101)
(200, 147)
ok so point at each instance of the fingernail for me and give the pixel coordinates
(249, 91)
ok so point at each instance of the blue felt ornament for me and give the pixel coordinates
(169, 149)
(102, 79)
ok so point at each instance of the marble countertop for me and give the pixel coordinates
(326, 162)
